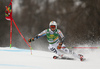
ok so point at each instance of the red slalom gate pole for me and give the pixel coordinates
(10, 24)
(11, 33)
(16, 28)
(11, 27)
(22, 36)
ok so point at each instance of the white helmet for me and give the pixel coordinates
(53, 23)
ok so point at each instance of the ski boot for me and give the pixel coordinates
(81, 57)
(57, 57)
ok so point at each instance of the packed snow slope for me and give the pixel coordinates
(14, 58)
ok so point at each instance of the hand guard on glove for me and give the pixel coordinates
(59, 46)
(29, 40)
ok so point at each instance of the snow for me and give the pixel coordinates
(14, 58)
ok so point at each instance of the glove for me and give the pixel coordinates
(29, 40)
(59, 46)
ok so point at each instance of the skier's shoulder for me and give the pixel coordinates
(58, 30)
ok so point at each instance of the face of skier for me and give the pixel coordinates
(53, 27)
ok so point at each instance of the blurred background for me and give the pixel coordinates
(79, 20)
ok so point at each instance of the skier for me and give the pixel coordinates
(55, 43)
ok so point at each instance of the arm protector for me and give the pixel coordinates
(36, 37)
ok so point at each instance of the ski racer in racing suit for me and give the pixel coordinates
(55, 43)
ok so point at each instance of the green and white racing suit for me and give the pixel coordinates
(52, 36)
(53, 39)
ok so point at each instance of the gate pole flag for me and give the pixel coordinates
(8, 16)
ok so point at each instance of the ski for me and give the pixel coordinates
(66, 58)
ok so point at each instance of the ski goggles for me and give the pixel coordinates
(52, 26)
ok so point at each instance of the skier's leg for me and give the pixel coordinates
(66, 50)
(54, 49)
